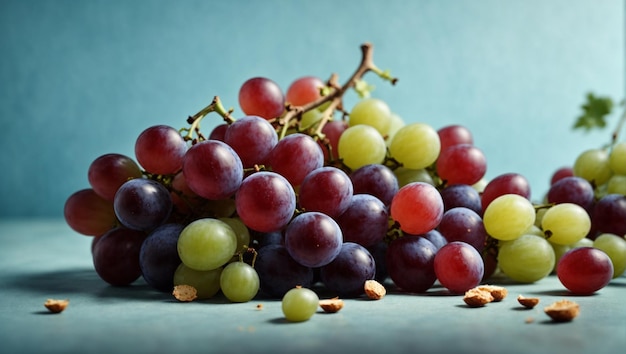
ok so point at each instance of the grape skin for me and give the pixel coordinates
(142, 204)
(299, 304)
(262, 97)
(206, 244)
(365, 221)
(328, 190)
(253, 138)
(239, 282)
(416, 146)
(566, 223)
(108, 172)
(417, 207)
(206, 282)
(116, 256)
(89, 214)
(459, 267)
(410, 263)
(361, 145)
(526, 259)
(347, 273)
(508, 216)
(160, 150)
(158, 257)
(279, 272)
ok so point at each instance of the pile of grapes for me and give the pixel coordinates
(302, 192)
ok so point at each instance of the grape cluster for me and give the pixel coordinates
(299, 191)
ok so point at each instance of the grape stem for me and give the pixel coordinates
(335, 94)
(215, 106)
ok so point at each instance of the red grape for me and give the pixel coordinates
(304, 90)
(454, 135)
(365, 221)
(142, 204)
(295, 156)
(461, 164)
(108, 172)
(89, 214)
(459, 267)
(328, 190)
(116, 256)
(377, 180)
(584, 270)
(313, 239)
(253, 138)
(508, 183)
(261, 97)
(417, 207)
(160, 150)
(265, 201)
(411, 263)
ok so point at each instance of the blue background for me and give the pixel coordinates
(83, 78)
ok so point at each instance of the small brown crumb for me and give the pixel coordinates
(259, 307)
(56, 306)
(498, 292)
(529, 320)
(185, 293)
(528, 302)
(374, 290)
(477, 298)
(562, 310)
(331, 305)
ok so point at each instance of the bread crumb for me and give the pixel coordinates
(562, 310)
(498, 292)
(259, 306)
(477, 298)
(331, 305)
(185, 293)
(374, 290)
(56, 306)
(528, 302)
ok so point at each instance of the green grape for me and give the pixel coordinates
(593, 165)
(559, 251)
(396, 123)
(566, 223)
(361, 145)
(239, 282)
(534, 230)
(206, 282)
(299, 304)
(583, 242)
(527, 259)
(206, 244)
(480, 185)
(310, 118)
(372, 112)
(406, 176)
(615, 247)
(617, 158)
(508, 217)
(416, 146)
(241, 231)
(616, 185)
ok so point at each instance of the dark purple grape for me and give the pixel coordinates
(327, 190)
(262, 239)
(347, 273)
(142, 204)
(158, 258)
(410, 263)
(213, 170)
(116, 256)
(379, 252)
(313, 239)
(279, 272)
(377, 180)
(253, 138)
(435, 237)
(463, 224)
(609, 214)
(365, 221)
(219, 132)
(160, 150)
(461, 195)
(108, 172)
(575, 190)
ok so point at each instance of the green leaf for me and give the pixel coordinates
(595, 112)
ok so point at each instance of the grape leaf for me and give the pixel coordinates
(595, 111)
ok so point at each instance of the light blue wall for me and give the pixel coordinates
(84, 78)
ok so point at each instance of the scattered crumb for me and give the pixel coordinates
(528, 302)
(259, 307)
(562, 310)
(185, 293)
(529, 320)
(477, 298)
(498, 292)
(331, 305)
(374, 290)
(56, 306)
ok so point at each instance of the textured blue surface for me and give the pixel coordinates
(83, 78)
(44, 259)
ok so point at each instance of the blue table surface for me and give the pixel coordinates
(41, 259)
